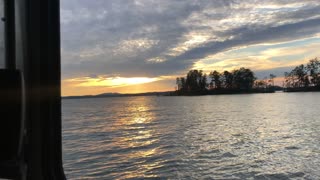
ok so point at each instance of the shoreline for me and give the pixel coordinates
(174, 93)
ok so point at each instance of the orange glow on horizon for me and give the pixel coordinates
(111, 82)
(100, 84)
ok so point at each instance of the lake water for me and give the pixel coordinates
(257, 136)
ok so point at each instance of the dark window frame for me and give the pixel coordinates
(33, 47)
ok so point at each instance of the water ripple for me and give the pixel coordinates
(211, 137)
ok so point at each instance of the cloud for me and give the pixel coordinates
(263, 57)
(246, 36)
(143, 38)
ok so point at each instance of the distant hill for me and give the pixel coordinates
(109, 94)
(105, 95)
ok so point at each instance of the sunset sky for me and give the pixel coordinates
(132, 46)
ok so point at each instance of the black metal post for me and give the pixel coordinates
(9, 26)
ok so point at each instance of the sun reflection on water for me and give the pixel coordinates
(139, 136)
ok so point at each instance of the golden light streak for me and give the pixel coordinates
(111, 82)
(70, 87)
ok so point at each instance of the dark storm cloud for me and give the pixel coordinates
(121, 36)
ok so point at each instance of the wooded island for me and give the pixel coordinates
(243, 80)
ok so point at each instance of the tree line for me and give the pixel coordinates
(240, 80)
(304, 77)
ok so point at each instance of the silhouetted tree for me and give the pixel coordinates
(239, 80)
(215, 79)
(290, 80)
(301, 73)
(272, 76)
(196, 81)
(260, 84)
(203, 83)
(313, 68)
(304, 76)
(181, 83)
(178, 82)
(243, 79)
(228, 80)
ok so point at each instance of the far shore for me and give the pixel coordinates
(174, 93)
